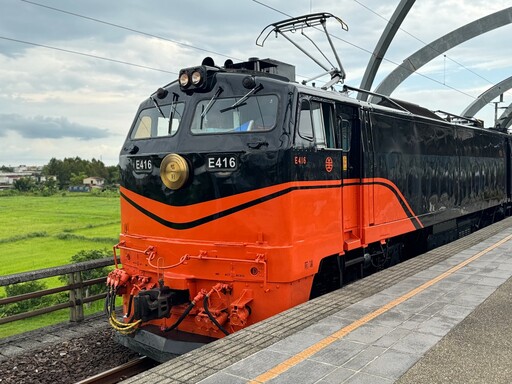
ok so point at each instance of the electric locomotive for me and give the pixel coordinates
(245, 193)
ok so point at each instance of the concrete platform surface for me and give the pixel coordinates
(442, 317)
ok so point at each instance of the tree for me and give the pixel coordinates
(3, 168)
(114, 176)
(70, 167)
(96, 168)
(25, 184)
(86, 255)
(77, 179)
(51, 185)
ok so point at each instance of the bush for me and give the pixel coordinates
(25, 305)
(25, 184)
(86, 255)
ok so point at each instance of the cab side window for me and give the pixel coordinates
(345, 120)
(315, 125)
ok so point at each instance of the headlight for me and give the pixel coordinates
(184, 79)
(174, 171)
(196, 77)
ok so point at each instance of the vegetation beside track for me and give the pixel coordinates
(39, 232)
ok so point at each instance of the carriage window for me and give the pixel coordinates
(257, 113)
(152, 122)
(315, 124)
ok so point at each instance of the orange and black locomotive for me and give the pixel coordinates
(245, 193)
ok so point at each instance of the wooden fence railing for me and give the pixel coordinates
(75, 287)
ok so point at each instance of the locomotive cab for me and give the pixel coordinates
(205, 202)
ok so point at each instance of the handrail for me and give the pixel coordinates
(75, 285)
(55, 271)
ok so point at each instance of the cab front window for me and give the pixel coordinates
(158, 122)
(227, 115)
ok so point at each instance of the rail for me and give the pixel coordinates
(122, 372)
(75, 286)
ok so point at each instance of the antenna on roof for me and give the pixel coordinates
(300, 23)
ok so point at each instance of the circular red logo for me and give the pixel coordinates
(328, 164)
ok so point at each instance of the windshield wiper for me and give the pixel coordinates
(175, 97)
(210, 103)
(242, 100)
(157, 106)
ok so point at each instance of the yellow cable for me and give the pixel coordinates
(123, 328)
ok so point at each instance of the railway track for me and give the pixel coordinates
(121, 372)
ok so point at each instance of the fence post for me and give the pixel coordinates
(72, 298)
(79, 296)
(76, 297)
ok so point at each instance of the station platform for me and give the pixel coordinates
(441, 317)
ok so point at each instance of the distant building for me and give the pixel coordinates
(94, 182)
(79, 188)
(7, 179)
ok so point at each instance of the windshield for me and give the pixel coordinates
(257, 113)
(157, 121)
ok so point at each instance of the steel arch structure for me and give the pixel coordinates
(505, 120)
(441, 45)
(382, 46)
(486, 97)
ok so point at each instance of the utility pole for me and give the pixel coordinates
(496, 103)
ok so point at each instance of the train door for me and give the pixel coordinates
(318, 161)
(349, 131)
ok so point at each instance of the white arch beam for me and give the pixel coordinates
(441, 45)
(382, 46)
(486, 97)
(505, 120)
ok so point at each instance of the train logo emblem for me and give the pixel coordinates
(328, 164)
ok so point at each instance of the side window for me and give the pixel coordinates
(305, 123)
(345, 120)
(316, 124)
(158, 122)
(346, 132)
(143, 129)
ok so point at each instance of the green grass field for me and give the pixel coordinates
(40, 232)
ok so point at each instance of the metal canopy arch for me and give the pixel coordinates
(505, 120)
(441, 45)
(486, 97)
(382, 46)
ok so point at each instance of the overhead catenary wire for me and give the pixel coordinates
(371, 53)
(391, 61)
(85, 54)
(218, 53)
(127, 28)
(425, 43)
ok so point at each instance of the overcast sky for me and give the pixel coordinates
(72, 73)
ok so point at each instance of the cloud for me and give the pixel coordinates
(40, 127)
(55, 103)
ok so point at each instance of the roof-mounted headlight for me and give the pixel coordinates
(184, 79)
(197, 77)
(200, 78)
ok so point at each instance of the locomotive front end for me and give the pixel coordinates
(203, 210)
